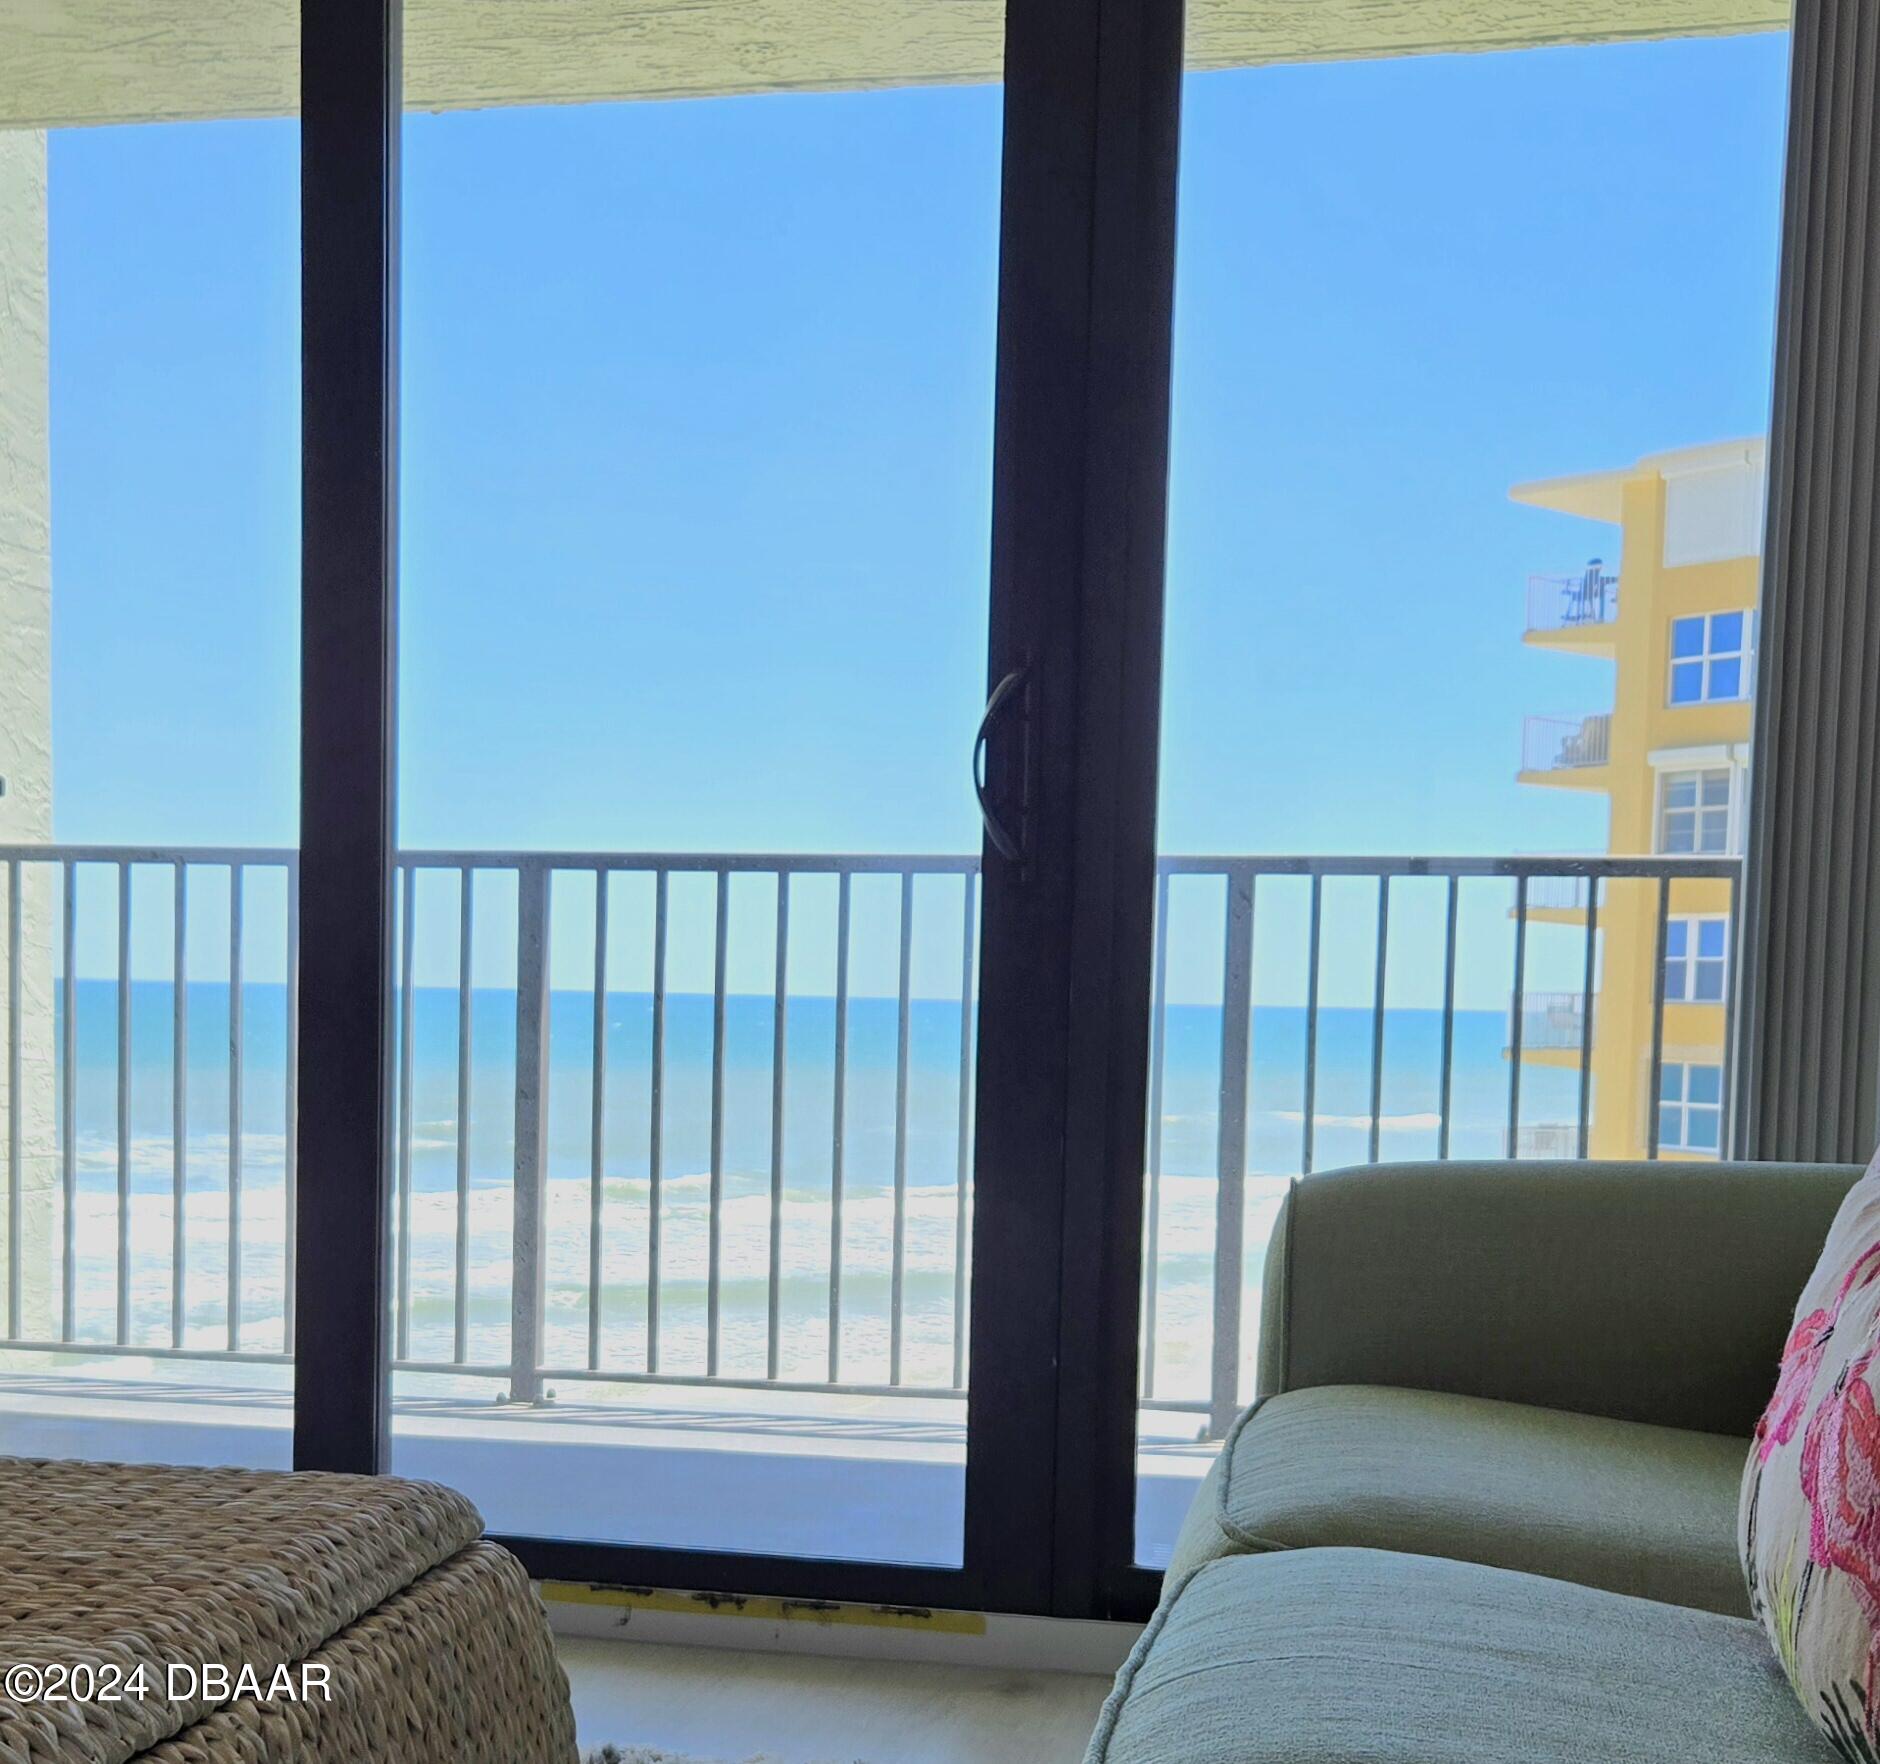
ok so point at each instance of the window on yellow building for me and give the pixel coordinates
(1712, 657)
(1690, 1107)
(1694, 812)
(1695, 955)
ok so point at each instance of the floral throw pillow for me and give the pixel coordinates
(1808, 1524)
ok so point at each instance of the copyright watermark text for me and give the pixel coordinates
(177, 1681)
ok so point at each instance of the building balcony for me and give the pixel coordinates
(1578, 611)
(1566, 751)
(1549, 1022)
(1553, 1140)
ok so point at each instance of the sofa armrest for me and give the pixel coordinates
(1653, 1292)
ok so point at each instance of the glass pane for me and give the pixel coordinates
(1677, 937)
(1709, 985)
(1437, 318)
(1726, 679)
(1702, 1130)
(1726, 632)
(1713, 937)
(697, 460)
(149, 612)
(1706, 1084)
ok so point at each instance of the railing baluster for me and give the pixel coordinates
(1230, 1164)
(963, 1143)
(715, 1223)
(15, 1105)
(656, 1103)
(235, 1075)
(597, 1121)
(466, 998)
(897, 1272)
(407, 1013)
(290, 1156)
(1312, 1029)
(123, 1077)
(179, 1109)
(68, 1108)
(1447, 1080)
(836, 1148)
(1158, 1060)
(1589, 981)
(779, 1044)
(531, 1162)
(1520, 998)
(1377, 1015)
(1655, 1098)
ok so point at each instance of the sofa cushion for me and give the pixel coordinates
(1340, 1656)
(1810, 1514)
(1612, 1504)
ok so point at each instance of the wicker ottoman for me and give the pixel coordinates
(372, 1621)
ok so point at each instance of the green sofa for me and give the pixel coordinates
(1484, 1505)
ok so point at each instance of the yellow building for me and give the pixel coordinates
(1676, 616)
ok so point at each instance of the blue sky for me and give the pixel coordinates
(696, 453)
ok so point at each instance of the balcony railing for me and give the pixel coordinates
(1566, 603)
(1559, 744)
(1560, 894)
(618, 1161)
(1547, 1139)
(1550, 1020)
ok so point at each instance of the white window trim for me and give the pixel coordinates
(1713, 756)
(1682, 1105)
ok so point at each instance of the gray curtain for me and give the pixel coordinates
(1809, 968)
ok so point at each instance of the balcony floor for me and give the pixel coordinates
(881, 1479)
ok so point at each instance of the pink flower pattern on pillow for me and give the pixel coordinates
(1801, 1360)
(1809, 1514)
(1841, 1480)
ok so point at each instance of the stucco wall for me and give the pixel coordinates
(91, 61)
(26, 695)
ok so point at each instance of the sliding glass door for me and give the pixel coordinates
(1473, 357)
(742, 968)
(696, 438)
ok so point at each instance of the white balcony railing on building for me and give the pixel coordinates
(1567, 603)
(1562, 744)
(1551, 1020)
(1560, 894)
(1546, 1139)
(658, 1129)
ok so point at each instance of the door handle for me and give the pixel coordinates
(1009, 846)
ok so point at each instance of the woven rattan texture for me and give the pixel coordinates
(127, 1565)
(460, 1668)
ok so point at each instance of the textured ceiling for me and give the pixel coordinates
(96, 61)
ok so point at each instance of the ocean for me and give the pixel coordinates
(1186, 1188)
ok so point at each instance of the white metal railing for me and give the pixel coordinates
(1547, 1020)
(210, 1173)
(1566, 603)
(1561, 744)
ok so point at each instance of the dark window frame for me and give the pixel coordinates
(1092, 91)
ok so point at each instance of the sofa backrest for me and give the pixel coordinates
(1654, 1292)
